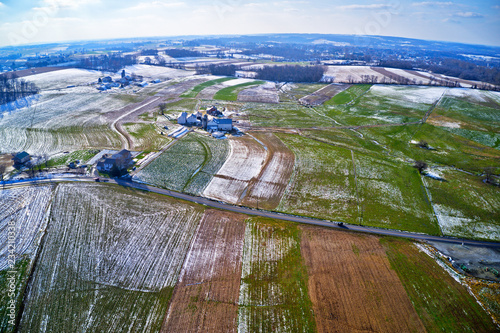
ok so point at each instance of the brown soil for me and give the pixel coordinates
(6, 163)
(352, 286)
(206, 297)
(266, 191)
(324, 94)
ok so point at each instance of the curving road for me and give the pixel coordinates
(270, 214)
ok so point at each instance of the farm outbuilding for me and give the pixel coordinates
(21, 158)
(225, 125)
(182, 118)
(122, 160)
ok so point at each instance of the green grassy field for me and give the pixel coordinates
(465, 205)
(392, 196)
(443, 304)
(287, 115)
(146, 136)
(231, 93)
(323, 183)
(20, 277)
(349, 95)
(82, 155)
(188, 165)
(195, 91)
(273, 292)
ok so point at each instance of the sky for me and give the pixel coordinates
(40, 21)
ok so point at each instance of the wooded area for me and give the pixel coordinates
(12, 88)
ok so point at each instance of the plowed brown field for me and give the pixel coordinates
(266, 191)
(352, 286)
(206, 296)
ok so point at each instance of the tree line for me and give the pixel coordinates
(224, 70)
(113, 62)
(291, 73)
(12, 88)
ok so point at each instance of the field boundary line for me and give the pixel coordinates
(360, 218)
(429, 197)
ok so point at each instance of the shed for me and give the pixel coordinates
(21, 158)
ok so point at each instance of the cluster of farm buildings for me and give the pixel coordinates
(107, 82)
(210, 120)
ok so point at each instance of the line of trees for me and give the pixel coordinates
(12, 88)
(113, 62)
(225, 70)
(291, 73)
(180, 53)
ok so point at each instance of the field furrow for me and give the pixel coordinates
(108, 264)
(273, 291)
(267, 191)
(243, 165)
(352, 285)
(206, 296)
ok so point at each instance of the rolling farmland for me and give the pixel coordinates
(150, 263)
(109, 258)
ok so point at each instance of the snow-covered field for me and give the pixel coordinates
(343, 74)
(265, 93)
(64, 78)
(157, 72)
(27, 210)
(73, 119)
(245, 162)
(418, 95)
(108, 259)
(474, 95)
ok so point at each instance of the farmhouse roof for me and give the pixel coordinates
(21, 155)
(224, 121)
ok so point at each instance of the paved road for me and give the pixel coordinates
(269, 214)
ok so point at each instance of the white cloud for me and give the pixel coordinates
(434, 3)
(496, 7)
(362, 7)
(468, 15)
(2, 5)
(69, 3)
(156, 5)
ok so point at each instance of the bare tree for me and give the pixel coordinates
(420, 166)
(423, 144)
(488, 175)
(163, 107)
(2, 171)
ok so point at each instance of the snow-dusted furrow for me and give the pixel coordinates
(109, 248)
(26, 209)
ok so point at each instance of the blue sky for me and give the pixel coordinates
(36, 21)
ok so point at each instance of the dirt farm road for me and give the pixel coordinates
(270, 214)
